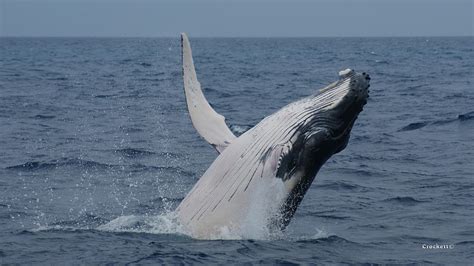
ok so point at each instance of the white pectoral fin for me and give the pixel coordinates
(208, 123)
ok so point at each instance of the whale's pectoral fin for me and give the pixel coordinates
(208, 123)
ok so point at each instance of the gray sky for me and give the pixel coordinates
(264, 18)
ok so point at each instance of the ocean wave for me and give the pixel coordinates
(371, 226)
(37, 165)
(422, 124)
(93, 165)
(218, 92)
(85, 221)
(407, 201)
(325, 215)
(465, 243)
(145, 64)
(124, 61)
(34, 165)
(333, 217)
(338, 186)
(134, 152)
(456, 96)
(26, 232)
(58, 78)
(342, 186)
(413, 126)
(43, 116)
(153, 79)
(466, 116)
(333, 239)
(103, 96)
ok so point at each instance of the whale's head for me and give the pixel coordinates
(324, 130)
(345, 99)
(333, 111)
(323, 124)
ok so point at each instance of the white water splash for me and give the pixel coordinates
(265, 202)
(158, 224)
(167, 224)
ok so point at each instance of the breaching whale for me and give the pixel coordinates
(264, 173)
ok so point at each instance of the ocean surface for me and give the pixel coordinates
(97, 149)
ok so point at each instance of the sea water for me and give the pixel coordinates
(97, 149)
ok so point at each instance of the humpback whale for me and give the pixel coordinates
(264, 173)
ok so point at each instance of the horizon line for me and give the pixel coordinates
(229, 36)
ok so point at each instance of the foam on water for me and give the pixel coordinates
(158, 224)
(167, 224)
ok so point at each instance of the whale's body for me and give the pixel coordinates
(264, 173)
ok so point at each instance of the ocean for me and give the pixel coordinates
(97, 149)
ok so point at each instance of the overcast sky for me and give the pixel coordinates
(264, 18)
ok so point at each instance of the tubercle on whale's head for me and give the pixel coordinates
(358, 91)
